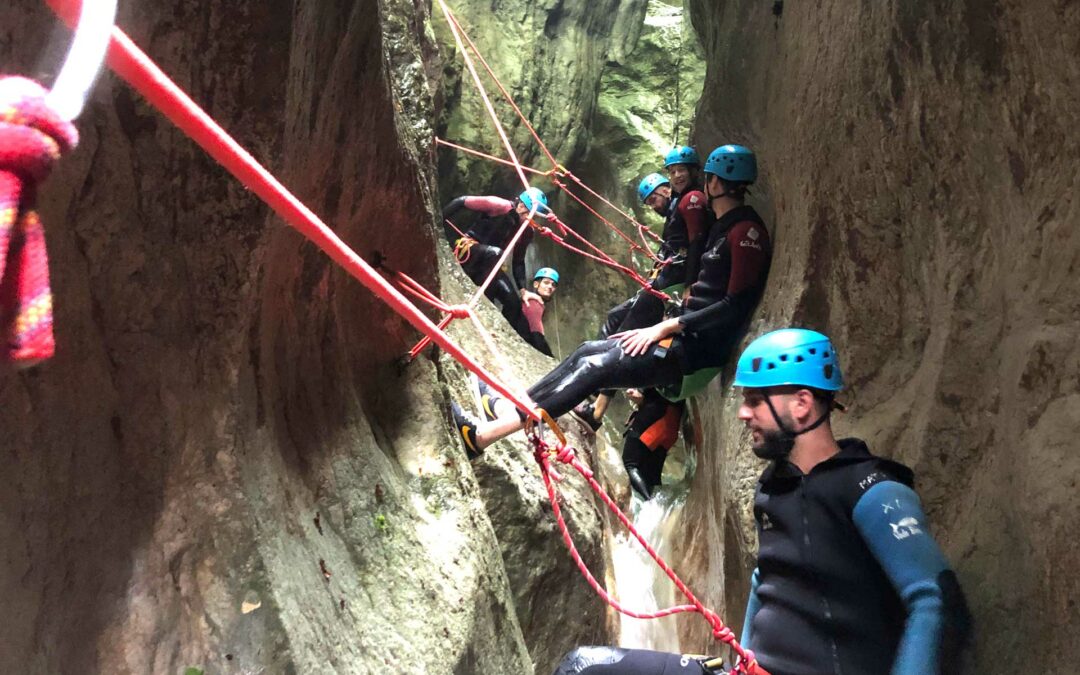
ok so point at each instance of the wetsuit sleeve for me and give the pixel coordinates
(753, 604)
(692, 209)
(750, 255)
(891, 521)
(448, 212)
(491, 206)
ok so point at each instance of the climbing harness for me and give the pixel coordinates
(35, 130)
(139, 71)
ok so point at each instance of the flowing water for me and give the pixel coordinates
(641, 585)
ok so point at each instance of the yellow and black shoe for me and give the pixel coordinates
(488, 398)
(465, 426)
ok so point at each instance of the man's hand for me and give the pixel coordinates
(637, 341)
(528, 296)
(636, 396)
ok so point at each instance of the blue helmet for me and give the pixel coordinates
(733, 163)
(792, 356)
(648, 185)
(682, 154)
(534, 195)
(546, 273)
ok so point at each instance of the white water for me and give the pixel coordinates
(642, 586)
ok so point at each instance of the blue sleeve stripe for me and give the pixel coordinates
(890, 518)
(753, 604)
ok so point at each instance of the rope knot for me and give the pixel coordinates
(32, 138)
(459, 311)
(32, 135)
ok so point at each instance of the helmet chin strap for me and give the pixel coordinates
(790, 433)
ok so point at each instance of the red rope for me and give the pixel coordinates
(32, 138)
(456, 30)
(493, 158)
(604, 260)
(137, 69)
(543, 452)
(509, 99)
(633, 245)
(145, 77)
(624, 214)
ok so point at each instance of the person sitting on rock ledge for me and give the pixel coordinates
(849, 578)
(686, 227)
(685, 349)
(479, 248)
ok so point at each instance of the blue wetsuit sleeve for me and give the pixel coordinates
(753, 604)
(890, 518)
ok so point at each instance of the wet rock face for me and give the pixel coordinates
(918, 168)
(221, 468)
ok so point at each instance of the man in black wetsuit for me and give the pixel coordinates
(479, 247)
(734, 267)
(686, 225)
(849, 577)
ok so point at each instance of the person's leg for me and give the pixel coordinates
(651, 432)
(614, 318)
(599, 365)
(595, 365)
(644, 309)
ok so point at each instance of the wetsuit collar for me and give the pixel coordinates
(852, 451)
(737, 215)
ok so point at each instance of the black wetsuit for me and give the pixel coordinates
(492, 234)
(685, 231)
(849, 577)
(616, 661)
(734, 267)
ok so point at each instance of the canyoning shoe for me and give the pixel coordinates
(639, 485)
(488, 398)
(465, 426)
(584, 412)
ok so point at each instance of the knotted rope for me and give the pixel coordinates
(32, 138)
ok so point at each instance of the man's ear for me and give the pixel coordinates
(805, 404)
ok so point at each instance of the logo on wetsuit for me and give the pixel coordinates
(751, 240)
(907, 527)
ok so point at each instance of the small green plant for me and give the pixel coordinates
(193, 671)
(381, 522)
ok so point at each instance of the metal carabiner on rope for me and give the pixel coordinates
(84, 59)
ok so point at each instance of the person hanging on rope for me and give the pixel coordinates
(687, 220)
(479, 248)
(531, 324)
(849, 577)
(689, 348)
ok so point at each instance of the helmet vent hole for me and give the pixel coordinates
(799, 359)
(783, 357)
(772, 366)
(825, 355)
(828, 371)
(756, 365)
(813, 350)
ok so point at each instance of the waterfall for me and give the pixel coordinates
(641, 584)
